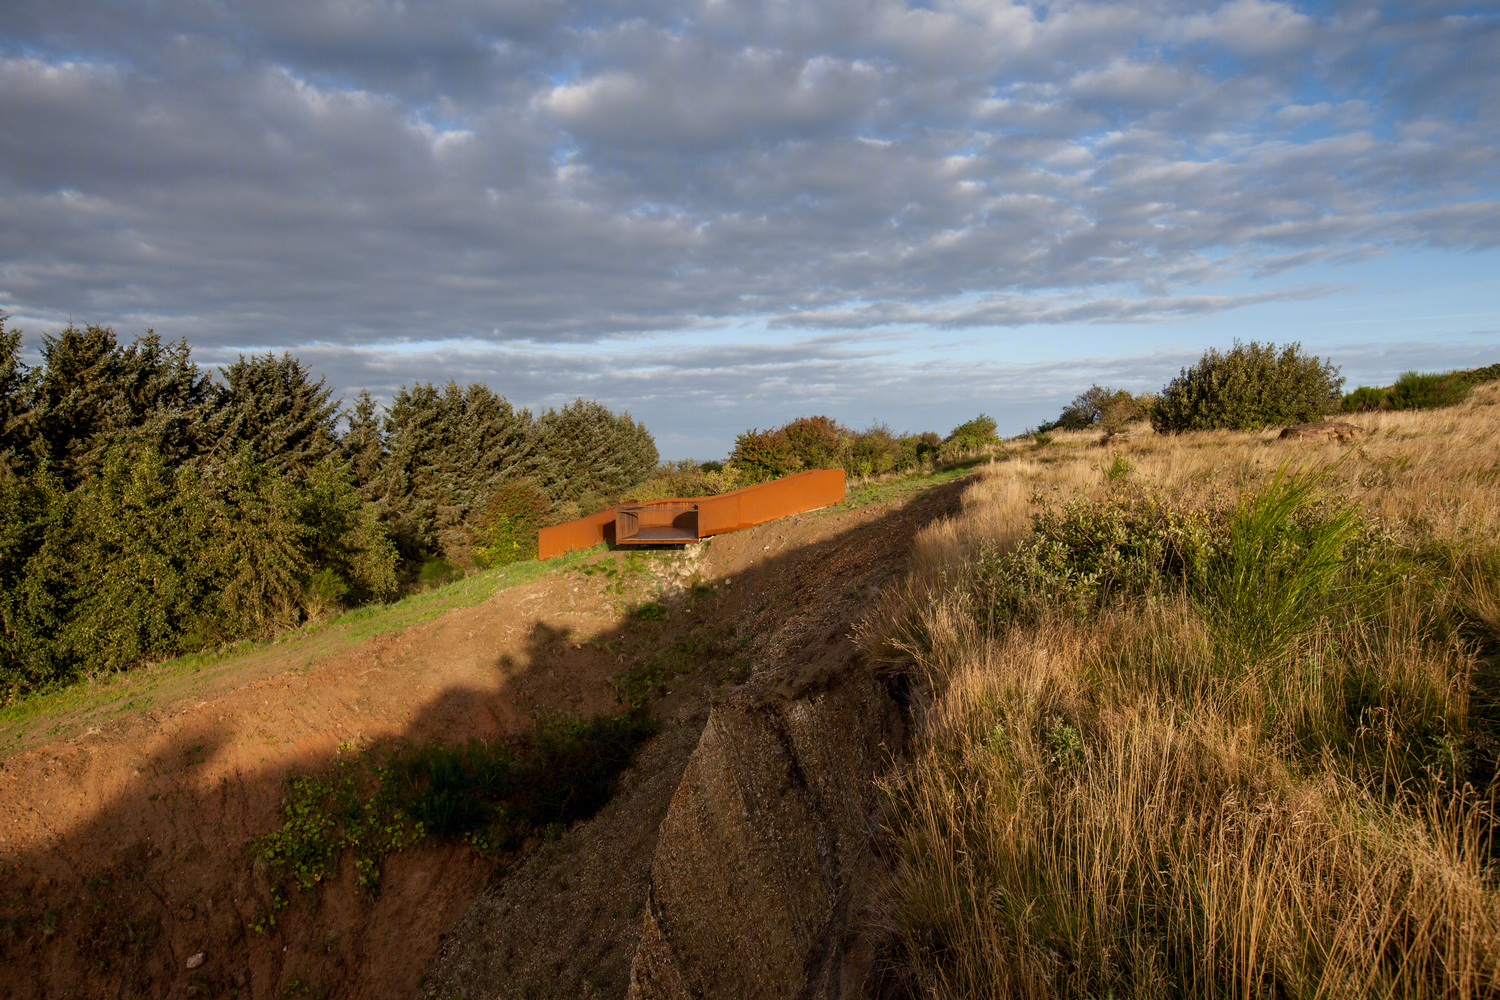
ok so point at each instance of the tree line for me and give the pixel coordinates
(148, 508)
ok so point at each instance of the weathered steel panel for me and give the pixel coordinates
(656, 523)
(716, 515)
(584, 533)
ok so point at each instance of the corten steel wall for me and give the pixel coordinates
(716, 515)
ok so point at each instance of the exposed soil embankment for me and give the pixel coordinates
(764, 862)
(127, 836)
(725, 829)
(765, 854)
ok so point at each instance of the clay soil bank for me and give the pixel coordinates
(126, 832)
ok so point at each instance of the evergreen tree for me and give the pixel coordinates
(273, 406)
(141, 534)
(90, 395)
(586, 453)
(500, 438)
(489, 441)
(13, 401)
(163, 402)
(72, 403)
(363, 444)
(351, 554)
(447, 451)
(256, 549)
(408, 486)
(38, 581)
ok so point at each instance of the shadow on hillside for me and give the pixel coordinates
(121, 903)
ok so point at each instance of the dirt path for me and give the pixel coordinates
(125, 851)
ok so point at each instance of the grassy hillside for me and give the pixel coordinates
(1207, 715)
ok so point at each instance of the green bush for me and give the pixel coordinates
(969, 437)
(873, 452)
(507, 529)
(1418, 391)
(1264, 569)
(1108, 408)
(763, 455)
(1250, 386)
(919, 448)
(1084, 553)
(804, 443)
(438, 572)
(815, 441)
(490, 795)
(1479, 376)
(1366, 399)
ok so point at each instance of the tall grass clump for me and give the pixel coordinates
(1182, 738)
(1282, 561)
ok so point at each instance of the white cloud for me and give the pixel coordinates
(1251, 27)
(370, 174)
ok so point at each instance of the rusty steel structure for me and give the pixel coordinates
(687, 519)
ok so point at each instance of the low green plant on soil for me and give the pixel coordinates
(492, 795)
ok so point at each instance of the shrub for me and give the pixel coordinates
(438, 572)
(763, 455)
(686, 479)
(1479, 376)
(804, 443)
(1367, 398)
(1085, 553)
(506, 531)
(1251, 386)
(1264, 569)
(815, 441)
(490, 795)
(873, 452)
(1418, 391)
(1110, 408)
(970, 437)
(919, 448)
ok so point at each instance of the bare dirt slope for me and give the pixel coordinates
(125, 849)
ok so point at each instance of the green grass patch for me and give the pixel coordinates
(494, 796)
(651, 677)
(905, 486)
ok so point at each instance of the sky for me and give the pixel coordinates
(723, 214)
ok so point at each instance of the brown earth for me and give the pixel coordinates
(125, 836)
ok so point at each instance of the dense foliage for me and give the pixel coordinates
(1420, 390)
(148, 508)
(820, 442)
(1097, 406)
(1252, 385)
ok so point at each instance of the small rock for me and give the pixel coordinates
(196, 959)
(1332, 430)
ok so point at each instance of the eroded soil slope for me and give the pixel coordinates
(126, 848)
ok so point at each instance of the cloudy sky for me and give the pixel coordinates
(719, 214)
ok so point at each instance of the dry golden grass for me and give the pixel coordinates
(1123, 805)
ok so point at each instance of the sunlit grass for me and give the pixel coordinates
(1273, 778)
